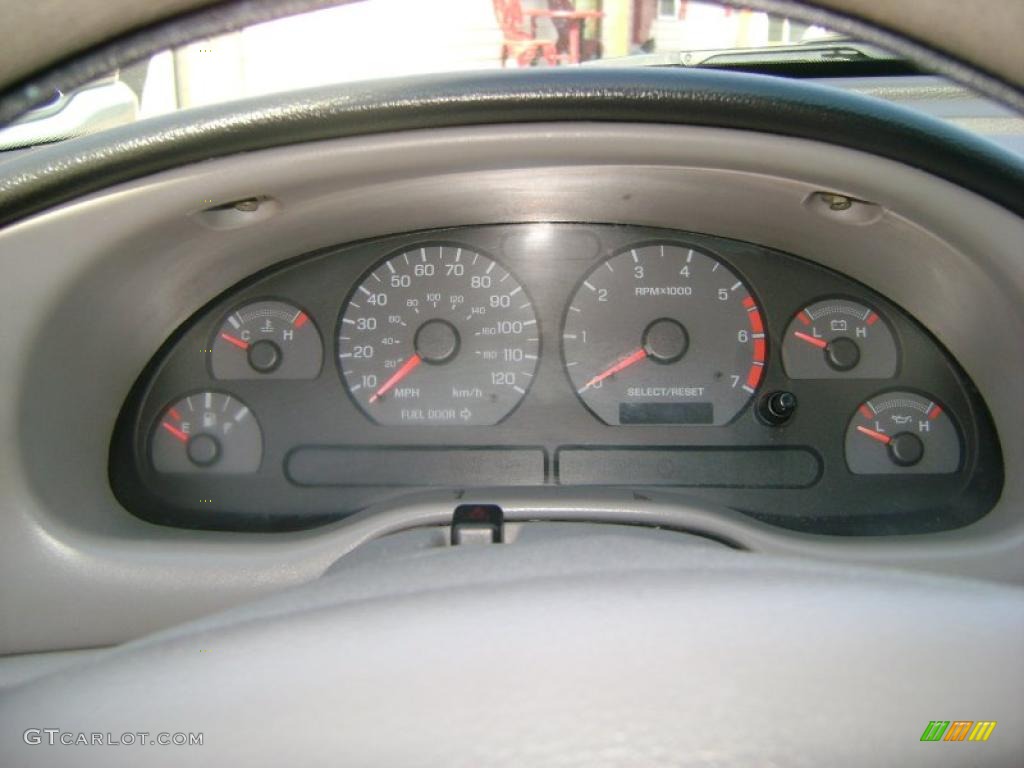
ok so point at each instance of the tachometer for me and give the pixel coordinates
(438, 335)
(664, 334)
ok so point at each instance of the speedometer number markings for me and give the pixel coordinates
(440, 334)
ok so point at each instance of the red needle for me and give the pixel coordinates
(174, 431)
(401, 373)
(237, 342)
(819, 343)
(874, 435)
(636, 357)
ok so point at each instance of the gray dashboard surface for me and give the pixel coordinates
(605, 647)
(135, 261)
(944, 100)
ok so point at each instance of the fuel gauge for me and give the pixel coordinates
(267, 339)
(902, 432)
(207, 432)
(838, 338)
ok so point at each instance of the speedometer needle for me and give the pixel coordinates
(635, 357)
(401, 373)
(874, 435)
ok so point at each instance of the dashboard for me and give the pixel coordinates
(565, 354)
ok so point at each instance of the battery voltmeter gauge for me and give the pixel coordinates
(839, 339)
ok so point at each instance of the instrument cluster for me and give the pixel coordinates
(538, 354)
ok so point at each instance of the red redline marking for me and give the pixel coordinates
(175, 415)
(872, 318)
(874, 435)
(819, 343)
(803, 318)
(237, 342)
(759, 350)
(300, 320)
(749, 302)
(934, 413)
(866, 412)
(756, 324)
(174, 431)
(405, 369)
(754, 376)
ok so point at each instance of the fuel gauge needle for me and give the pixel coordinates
(819, 343)
(882, 438)
(407, 367)
(635, 357)
(175, 431)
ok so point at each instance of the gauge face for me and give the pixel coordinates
(902, 433)
(438, 335)
(267, 340)
(837, 338)
(207, 432)
(663, 334)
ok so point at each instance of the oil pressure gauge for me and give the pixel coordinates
(838, 338)
(902, 432)
(267, 339)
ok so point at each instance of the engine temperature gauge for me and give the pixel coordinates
(207, 432)
(838, 338)
(902, 432)
(267, 339)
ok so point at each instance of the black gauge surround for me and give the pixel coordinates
(664, 334)
(438, 334)
(323, 458)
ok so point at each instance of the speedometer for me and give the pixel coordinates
(664, 334)
(438, 334)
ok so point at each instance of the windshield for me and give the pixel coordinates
(374, 39)
(388, 38)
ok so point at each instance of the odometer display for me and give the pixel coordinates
(664, 334)
(438, 335)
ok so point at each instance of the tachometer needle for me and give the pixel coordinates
(401, 373)
(232, 340)
(874, 435)
(635, 357)
(819, 343)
